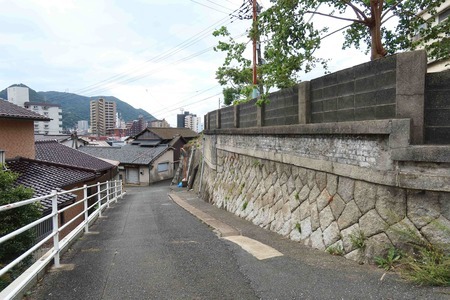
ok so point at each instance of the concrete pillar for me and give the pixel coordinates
(218, 119)
(304, 102)
(260, 109)
(410, 91)
(236, 116)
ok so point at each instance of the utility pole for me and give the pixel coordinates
(255, 93)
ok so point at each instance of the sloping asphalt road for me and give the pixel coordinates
(148, 247)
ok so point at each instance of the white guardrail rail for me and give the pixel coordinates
(106, 193)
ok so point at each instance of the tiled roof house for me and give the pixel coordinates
(174, 137)
(138, 165)
(47, 166)
(17, 130)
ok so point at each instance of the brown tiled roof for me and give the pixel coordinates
(43, 177)
(52, 151)
(168, 133)
(12, 111)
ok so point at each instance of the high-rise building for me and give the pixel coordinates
(192, 122)
(82, 127)
(20, 96)
(103, 116)
(180, 119)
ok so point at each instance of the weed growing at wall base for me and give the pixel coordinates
(387, 262)
(358, 240)
(428, 265)
(336, 250)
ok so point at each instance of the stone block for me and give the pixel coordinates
(304, 193)
(316, 240)
(355, 255)
(315, 192)
(365, 195)
(326, 218)
(316, 106)
(346, 188)
(376, 245)
(371, 223)
(346, 237)
(337, 206)
(391, 204)
(305, 210)
(349, 216)
(438, 233)
(403, 234)
(444, 201)
(331, 234)
(321, 180)
(314, 214)
(423, 207)
(323, 200)
(332, 184)
(317, 117)
(305, 228)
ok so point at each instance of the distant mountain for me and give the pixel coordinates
(75, 107)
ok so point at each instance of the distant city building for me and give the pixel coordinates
(20, 96)
(180, 119)
(192, 122)
(82, 127)
(158, 124)
(103, 116)
(136, 126)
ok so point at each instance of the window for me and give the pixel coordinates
(163, 167)
(444, 15)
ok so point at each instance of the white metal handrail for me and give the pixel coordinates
(112, 191)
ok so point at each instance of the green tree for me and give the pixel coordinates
(14, 219)
(236, 72)
(290, 38)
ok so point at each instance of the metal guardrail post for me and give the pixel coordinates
(107, 193)
(55, 227)
(86, 213)
(99, 200)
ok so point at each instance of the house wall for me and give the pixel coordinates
(17, 138)
(158, 176)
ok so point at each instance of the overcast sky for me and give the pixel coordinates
(155, 55)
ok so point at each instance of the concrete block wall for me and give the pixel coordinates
(388, 88)
(363, 92)
(437, 108)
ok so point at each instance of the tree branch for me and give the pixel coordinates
(339, 18)
(360, 14)
(390, 9)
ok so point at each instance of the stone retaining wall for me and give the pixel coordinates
(322, 189)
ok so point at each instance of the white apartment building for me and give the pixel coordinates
(443, 14)
(192, 122)
(20, 96)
